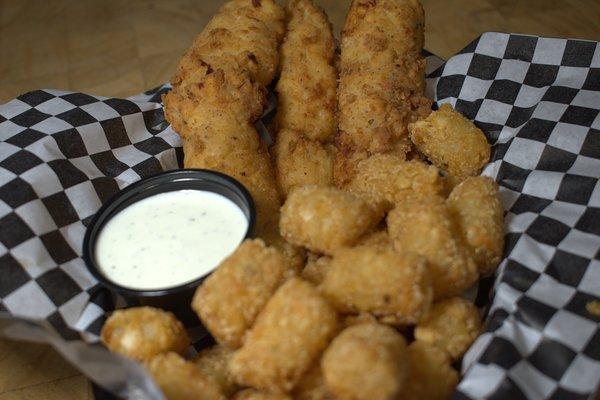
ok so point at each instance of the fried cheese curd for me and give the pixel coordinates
(228, 301)
(179, 379)
(386, 179)
(452, 325)
(141, 333)
(312, 385)
(425, 227)
(214, 362)
(479, 214)
(394, 287)
(315, 269)
(430, 375)
(288, 336)
(366, 362)
(253, 394)
(451, 142)
(324, 219)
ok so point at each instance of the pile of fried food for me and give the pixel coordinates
(372, 220)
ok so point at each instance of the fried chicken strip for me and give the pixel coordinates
(244, 34)
(381, 81)
(218, 94)
(306, 99)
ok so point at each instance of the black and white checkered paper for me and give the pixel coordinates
(537, 99)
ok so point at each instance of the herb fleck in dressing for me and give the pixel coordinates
(169, 239)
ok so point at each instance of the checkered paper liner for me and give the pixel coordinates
(63, 154)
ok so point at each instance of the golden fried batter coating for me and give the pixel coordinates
(214, 362)
(426, 228)
(477, 209)
(366, 362)
(312, 385)
(381, 81)
(452, 325)
(287, 337)
(430, 375)
(253, 394)
(324, 219)
(181, 380)
(244, 34)
(214, 112)
(395, 287)
(143, 332)
(307, 84)
(315, 269)
(300, 162)
(386, 179)
(379, 239)
(229, 300)
(452, 142)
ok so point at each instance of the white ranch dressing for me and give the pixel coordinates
(169, 239)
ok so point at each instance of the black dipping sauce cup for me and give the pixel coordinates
(176, 299)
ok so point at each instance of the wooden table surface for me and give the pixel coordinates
(123, 47)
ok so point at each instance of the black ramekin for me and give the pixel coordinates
(176, 299)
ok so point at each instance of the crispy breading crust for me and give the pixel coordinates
(315, 269)
(218, 93)
(476, 207)
(394, 287)
(143, 332)
(426, 228)
(386, 179)
(452, 325)
(366, 362)
(253, 394)
(452, 142)
(324, 219)
(312, 385)
(244, 34)
(308, 81)
(299, 162)
(430, 375)
(214, 362)
(229, 300)
(288, 336)
(381, 81)
(181, 380)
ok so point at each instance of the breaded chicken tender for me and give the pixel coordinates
(315, 269)
(312, 386)
(452, 142)
(299, 161)
(143, 332)
(214, 362)
(181, 380)
(307, 84)
(214, 112)
(394, 287)
(382, 81)
(386, 179)
(366, 362)
(477, 209)
(253, 394)
(324, 219)
(228, 301)
(452, 325)
(430, 375)
(287, 338)
(426, 228)
(244, 34)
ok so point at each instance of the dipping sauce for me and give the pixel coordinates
(169, 239)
